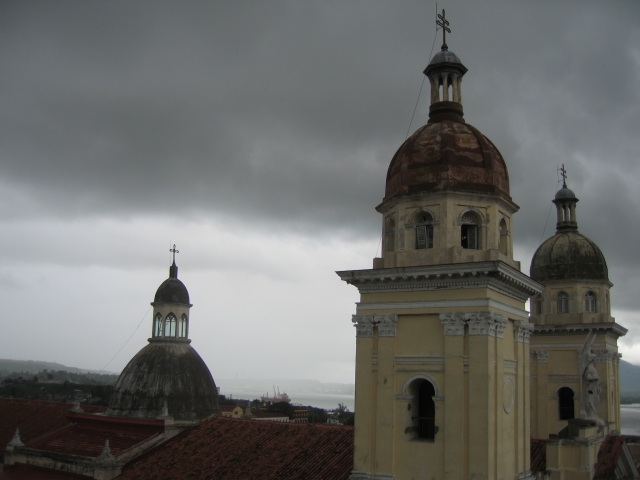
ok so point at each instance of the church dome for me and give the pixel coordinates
(447, 154)
(172, 290)
(445, 56)
(568, 255)
(165, 372)
(565, 193)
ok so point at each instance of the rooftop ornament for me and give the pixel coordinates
(443, 23)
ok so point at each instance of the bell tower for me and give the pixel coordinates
(572, 318)
(442, 334)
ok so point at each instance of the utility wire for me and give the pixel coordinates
(548, 215)
(423, 79)
(125, 343)
(376, 255)
(422, 85)
(416, 105)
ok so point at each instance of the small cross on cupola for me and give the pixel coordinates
(173, 269)
(443, 23)
(563, 173)
(565, 201)
(445, 72)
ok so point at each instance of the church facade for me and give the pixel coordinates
(453, 375)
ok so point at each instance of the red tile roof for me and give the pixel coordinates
(34, 418)
(538, 450)
(224, 448)
(608, 457)
(88, 434)
(227, 408)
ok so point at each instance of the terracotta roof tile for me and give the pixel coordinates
(538, 455)
(224, 448)
(88, 434)
(34, 418)
(608, 457)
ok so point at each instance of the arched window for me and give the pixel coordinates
(170, 326)
(424, 231)
(469, 231)
(390, 234)
(563, 302)
(157, 326)
(504, 237)
(565, 403)
(182, 326)
(590, 302)
(426, 411)
(608, 304)
(537, 305)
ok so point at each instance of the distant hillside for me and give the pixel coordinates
(35, 366)
(629, 378)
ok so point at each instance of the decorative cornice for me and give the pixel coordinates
(364, 325)
(496, 275)
(500, 199)
(486, 323)
(522, 332)
(480, 303)
(614, 330)
(453, 323)
(420, 360)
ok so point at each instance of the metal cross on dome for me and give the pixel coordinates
(563, 173)
(174, 250)
(443, 23)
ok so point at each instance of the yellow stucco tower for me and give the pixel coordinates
(442, 334)
(575, 387)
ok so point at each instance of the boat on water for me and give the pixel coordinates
(277, 397)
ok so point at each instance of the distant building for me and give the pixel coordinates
(233, 411)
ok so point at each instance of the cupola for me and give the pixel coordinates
(171, 308)
(568, 255)
(167, 377)
(447, 154)
(447, 197)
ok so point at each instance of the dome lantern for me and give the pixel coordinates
(171, 308)
(445, 72)
(568, 255)
(565, 202)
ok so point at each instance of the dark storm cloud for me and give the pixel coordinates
(289, 112)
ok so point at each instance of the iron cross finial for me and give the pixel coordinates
(174, 250)
(443, 23)
(563, 173)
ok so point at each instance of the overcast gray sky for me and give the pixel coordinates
(256, 136)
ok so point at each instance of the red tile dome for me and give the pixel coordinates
(447, 154)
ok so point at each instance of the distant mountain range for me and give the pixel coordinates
(629, 378)
(35, 366)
